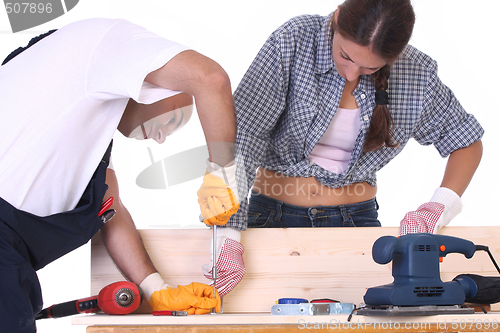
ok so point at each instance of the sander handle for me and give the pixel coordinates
(385, 247)
(450, 244)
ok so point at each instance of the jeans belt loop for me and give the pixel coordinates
(345, 216)
(277, 216)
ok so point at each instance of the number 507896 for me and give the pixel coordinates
(28, 8)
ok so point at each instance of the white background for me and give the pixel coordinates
(461, 35)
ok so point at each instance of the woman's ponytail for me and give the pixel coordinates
(381, 127)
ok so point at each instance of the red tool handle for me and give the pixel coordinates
(84, 305)
(106, 205)
(117, 298)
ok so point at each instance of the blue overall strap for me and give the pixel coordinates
(32, 42)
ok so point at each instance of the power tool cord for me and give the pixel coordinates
(487, 250)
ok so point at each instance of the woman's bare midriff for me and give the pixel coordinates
(307, 192)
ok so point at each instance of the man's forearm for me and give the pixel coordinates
(125, 247)
(461, 166)
(122, 239)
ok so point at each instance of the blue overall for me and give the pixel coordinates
(29, 242)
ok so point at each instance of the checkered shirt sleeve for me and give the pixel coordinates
(260, 99)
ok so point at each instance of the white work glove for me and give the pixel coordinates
(444, 205)
(195, 298)
(229, 260)
(218, 195)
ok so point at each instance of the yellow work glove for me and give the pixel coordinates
(218, 195)
(195, 298)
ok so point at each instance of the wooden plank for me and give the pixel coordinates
(295, 262)
(256, 329)
(294, 324)
(269, 329)
(470, 322)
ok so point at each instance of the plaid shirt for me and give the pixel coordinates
(289, 95)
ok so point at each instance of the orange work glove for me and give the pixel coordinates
(195, 298)
(218, 195)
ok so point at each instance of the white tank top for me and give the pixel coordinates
(334, 149)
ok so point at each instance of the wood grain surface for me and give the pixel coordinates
(147, 323)
(308, 263)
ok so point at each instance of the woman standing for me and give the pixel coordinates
(328, 102)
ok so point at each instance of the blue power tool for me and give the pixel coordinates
(417, 288)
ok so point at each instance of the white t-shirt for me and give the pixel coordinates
(61, 101)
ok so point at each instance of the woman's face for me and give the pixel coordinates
(353, 60)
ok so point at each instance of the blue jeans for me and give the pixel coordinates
(266, 212)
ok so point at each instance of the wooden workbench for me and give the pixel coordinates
(264, 323)
(307, 263)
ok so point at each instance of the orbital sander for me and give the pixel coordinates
(417, 288)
